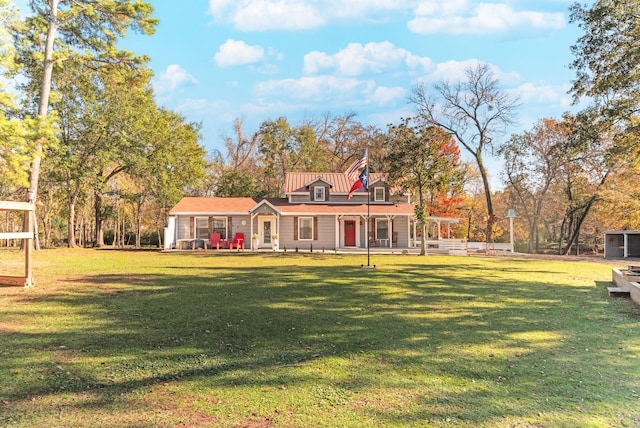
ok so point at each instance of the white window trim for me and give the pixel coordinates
(226, 224)
(195, 226)
(375, 194)
(322, 196)
(300, 238)
(379, 220)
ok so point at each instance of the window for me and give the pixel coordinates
(378, 194)
(202, 228)
(305, 228)
(220, 226)
(382, 229)
(319, 193)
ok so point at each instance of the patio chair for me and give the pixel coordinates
(214, 240)
(238, 241)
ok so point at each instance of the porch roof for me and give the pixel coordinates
(243, 206)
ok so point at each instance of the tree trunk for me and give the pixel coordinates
(423, 241)
(116, 227)
(138, 220)
(491, 218)
(43, 106)
(575, 231)
(532, 237)
(71, 220)
(99, 238)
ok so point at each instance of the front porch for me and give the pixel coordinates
(440, 246)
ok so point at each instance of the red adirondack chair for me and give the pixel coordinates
(238, 240)
(215, 241)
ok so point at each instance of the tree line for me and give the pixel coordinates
(83, 137)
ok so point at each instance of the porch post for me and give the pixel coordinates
(253, 216)
(626, 245)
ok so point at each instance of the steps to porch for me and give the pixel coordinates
(626, 283)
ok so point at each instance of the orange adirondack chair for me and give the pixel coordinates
(238, 240)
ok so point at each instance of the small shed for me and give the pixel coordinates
(621, 244)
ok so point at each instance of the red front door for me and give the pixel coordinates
(349, 233)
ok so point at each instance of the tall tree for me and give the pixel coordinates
(71, 162)
(237, 173)
(341, 139)
(16, 144)
(174, 160)
(423, 160)
(533, 161)
(607, 57)
(475, 112)
(590, 159)
(277, 146)
(85, 31)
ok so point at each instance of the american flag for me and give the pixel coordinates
(352, 172)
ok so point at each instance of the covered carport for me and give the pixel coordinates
(622, 244)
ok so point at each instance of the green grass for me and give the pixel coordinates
(142, 339)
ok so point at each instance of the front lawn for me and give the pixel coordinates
(112, 338)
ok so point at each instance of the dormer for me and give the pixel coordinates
(379, 191)
(319, 189)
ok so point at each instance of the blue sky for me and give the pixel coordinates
(262, 59)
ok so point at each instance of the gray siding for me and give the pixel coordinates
(326, 234)
(300, 199)
(338, 198)
(237, 227)
(401, 227)
(264, 209)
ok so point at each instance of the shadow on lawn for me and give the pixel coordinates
(231, 327)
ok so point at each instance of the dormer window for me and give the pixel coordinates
(378, 194)
(319, 193)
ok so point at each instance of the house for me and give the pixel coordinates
(314, 213)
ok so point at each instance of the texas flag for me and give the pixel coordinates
(361, 183)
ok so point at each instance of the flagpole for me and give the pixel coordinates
(368, 225)
(362, 181)
(368, 174)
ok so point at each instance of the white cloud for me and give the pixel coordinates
(383, 95)
(544, 94)
(172, 78)
(261, 15)
(430, 16)
(462, 17)
(330, 89)
(357, 59)
(455, 71)
(311, 88)
(233, 53)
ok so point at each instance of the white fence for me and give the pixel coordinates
(482, 246)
